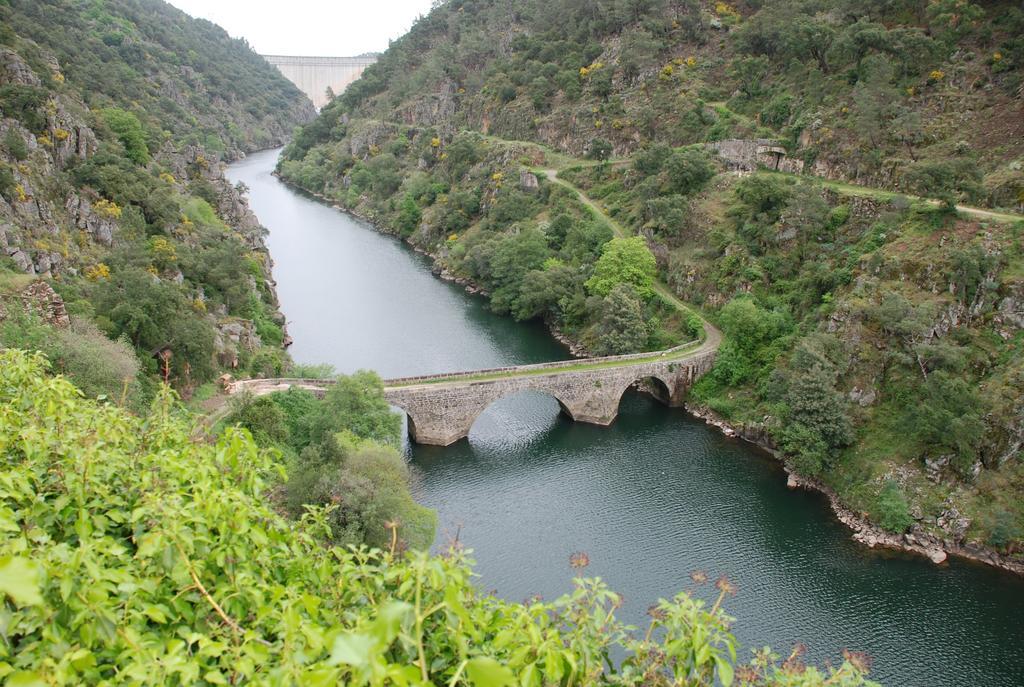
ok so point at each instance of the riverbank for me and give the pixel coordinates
(864, 531)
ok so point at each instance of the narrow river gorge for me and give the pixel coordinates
(650, 499)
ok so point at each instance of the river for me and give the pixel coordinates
(650, 499)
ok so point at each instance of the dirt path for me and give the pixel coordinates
(617, 229)
(714, 336)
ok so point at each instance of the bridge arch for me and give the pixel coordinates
(529, 400)
(653, 385)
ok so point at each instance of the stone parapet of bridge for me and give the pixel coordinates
(442, 408)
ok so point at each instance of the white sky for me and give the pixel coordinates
(339, 28)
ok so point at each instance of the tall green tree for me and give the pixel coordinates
(624, 261)
(128, 129)
(622, 327)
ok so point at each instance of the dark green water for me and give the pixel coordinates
(650, 499)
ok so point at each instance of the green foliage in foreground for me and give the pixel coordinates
(132, 553)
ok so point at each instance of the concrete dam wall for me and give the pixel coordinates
(314, 75)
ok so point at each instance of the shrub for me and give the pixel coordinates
(107, 209)
(695, 326)
(687, 171)
(312, 371)
(599, 149)
(369, 491)
(891, 510)
(99, 366)
(128, 129)
(1004, 529)
(15, 144)
(946, 413)
(25, 103)
(751, 345)
(7, 182)
(946, 179)
(267, 362)
(200, 212)
(622, 328)
(814, 404)
(261, 416)
(410, 216)
(806, 450)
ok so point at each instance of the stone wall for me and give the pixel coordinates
(749, 154)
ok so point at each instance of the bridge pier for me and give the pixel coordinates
(440, 416)
(599, 407)
(439, 433)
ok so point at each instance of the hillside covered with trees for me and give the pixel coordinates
(773, 163)
(116, 118)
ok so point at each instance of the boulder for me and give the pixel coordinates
(22, 261)
(1011, 308)
(862, 397)
(528, 181)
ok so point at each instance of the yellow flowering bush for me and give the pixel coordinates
(97, 272)
(107, 209)
(163, 250)
(723, 9)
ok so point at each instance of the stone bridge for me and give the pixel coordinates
(442, 408)
(314, 75)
